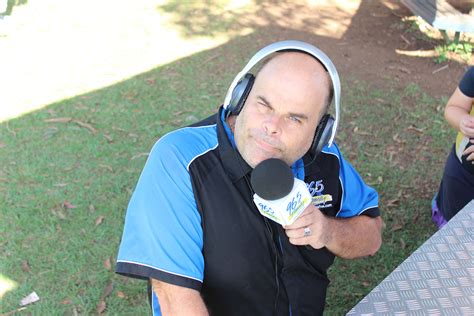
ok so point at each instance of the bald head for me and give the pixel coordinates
(295, 68)
(287, 100)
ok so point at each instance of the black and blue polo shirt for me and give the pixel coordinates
(192, 222)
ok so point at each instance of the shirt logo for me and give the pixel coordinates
(319, 199)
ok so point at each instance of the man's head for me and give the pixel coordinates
(290, 95)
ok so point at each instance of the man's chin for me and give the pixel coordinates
(256, 160)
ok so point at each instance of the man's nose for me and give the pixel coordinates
(272, 125)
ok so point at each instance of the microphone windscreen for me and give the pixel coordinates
(272, 179)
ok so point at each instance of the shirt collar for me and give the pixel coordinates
(234, 164)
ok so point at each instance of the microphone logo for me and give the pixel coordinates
(278, 195)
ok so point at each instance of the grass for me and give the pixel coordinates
(58, 179)
(463, 49)
(65, 185)
(402, 140)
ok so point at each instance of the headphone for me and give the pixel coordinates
(242, 84)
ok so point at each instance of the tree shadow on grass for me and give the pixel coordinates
(211, 18)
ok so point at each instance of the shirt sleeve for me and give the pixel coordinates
(358, 198)
(467, 83)
(162, 236)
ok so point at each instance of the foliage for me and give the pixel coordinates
(464, 50)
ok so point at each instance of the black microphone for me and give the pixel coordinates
(272, 179)
(278, 195)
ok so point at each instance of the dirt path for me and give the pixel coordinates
(375, 45)
(379, 48)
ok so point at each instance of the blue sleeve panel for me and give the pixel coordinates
(155, 304)
(467, 83)
(162, 235)
(357, 197)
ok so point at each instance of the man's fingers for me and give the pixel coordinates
(303, 241)
(303, 232)
(300, 241)
(305, 219)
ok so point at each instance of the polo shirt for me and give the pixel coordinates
(191, 221)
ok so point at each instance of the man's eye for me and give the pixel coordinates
(295, 119)
(263, 106)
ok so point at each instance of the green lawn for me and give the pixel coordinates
(68, 170)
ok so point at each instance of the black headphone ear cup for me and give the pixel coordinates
(240, 94)
(322, 135)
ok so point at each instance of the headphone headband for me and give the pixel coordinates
(299, 46)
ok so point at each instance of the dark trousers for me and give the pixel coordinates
(456, 189)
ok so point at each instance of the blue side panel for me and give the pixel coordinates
(163, 226)
(357, 197)
(155, 305)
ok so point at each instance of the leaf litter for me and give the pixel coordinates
(102, 306)
(99, 220)
(25, 266)
(71, 120)
(107, 264)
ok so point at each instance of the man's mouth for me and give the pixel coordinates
(267, 147)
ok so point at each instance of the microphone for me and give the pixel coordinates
(278, 195)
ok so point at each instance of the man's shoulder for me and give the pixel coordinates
(187, 142)
(331, 152)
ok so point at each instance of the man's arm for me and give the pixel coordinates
(178, 300)
(347, 238)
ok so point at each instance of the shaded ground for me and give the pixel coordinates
(376, 47)
(368, 51)
(377, 42)
(86, 46)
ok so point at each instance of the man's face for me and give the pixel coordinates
(281, 113)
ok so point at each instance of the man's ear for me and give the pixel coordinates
(230, 120)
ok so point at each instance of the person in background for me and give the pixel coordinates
(457, 185)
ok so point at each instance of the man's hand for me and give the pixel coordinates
(348, 238)
(311, 228)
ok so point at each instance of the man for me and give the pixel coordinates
(193, 229)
